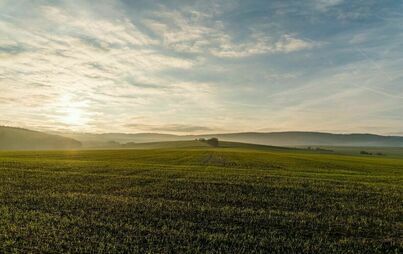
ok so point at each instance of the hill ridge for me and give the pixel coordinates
(16, 138)
(286, 138)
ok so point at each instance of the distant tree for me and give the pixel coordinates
(113, 143)
(212, 142)
(129, 144)
(365, 153)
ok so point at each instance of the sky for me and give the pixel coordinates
(191, 67)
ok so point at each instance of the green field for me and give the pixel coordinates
(390, 152)
(234, 199)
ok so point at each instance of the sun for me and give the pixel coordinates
(72, 112)
(73, 116)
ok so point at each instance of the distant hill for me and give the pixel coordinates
(167, 144)
(270, 138)
(311, 139)
(196, 144)
(22, 139)
(106, 139)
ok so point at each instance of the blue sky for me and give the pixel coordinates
(202, 66)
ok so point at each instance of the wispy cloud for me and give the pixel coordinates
(201, 66)
(201, 33)
(171, 128)
(324, 5)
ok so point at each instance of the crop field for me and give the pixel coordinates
(390, 152)
(198, 200)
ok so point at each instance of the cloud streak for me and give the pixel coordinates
(199, 33)
(201, 66)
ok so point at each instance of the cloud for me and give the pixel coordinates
(200, 33)
(262, 45)
(171, 128)
(110, 33)
(288, 43)
(324, 5)
(106, 62)
(201, 65)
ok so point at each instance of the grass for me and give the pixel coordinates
(200, 199)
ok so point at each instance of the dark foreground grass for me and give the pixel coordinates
(199, 200)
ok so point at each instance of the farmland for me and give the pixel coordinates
(236, 199)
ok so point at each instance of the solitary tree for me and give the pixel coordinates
(213, 142)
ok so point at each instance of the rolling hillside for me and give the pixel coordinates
(312, 138)
(195, 144)
(167, 145)
(105, 139)
(272, 138)
(17, 138)
(22, 139)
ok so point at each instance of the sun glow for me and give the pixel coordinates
(72, 112)
(74, 116)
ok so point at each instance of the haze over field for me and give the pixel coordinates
(197, 67)
(23, 139)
